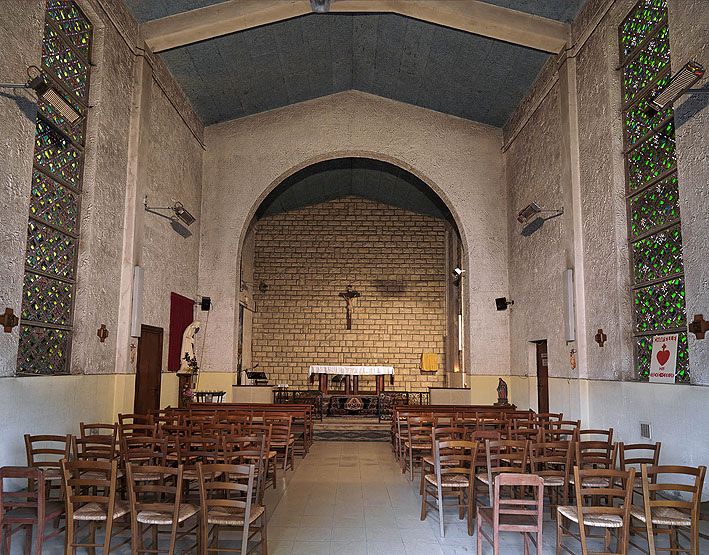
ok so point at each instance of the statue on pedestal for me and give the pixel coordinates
(502, 400)
(188, 364)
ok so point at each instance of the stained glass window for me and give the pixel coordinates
(53, 226)
(654, 230)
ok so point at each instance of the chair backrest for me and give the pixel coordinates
(500, 423)
(447, 432)
(548, 416)
(143, 450)
(90, 482)
(453, 457)
(194, 449)
(553, 458)
(420, 429)
(249, 450)
(595, 454)
(524, 429)
(280, 428)
(98, 429)
(228, 488)
(596, 435)
(609, 495)
(506, 455)
(635, 454)
(95, 448)
(130, 429)
(526, 512)
(30, 499)
(134, 418)
(45, 451)
(674, 484)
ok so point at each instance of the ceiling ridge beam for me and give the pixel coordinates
(471, 16)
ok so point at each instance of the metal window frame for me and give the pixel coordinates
(628, 148)
(75, 188)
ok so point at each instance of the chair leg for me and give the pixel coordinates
(40, 538)
(69, 539)
(92, 537)
(470, 511)
(559, 533)
(479, 549)
(440, 509)
(424, 506)
(264, 539)
(28, 540)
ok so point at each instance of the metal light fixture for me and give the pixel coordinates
(45, 91)
(320, 6)
(178, 211)
(458, 273)
(680, 84)
(501, 303)
(533, 209)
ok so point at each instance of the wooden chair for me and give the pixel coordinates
(454, 466)
(595, 455)
(271, 466)
(45, 452)
(439, 433)
(524, 516)
(661, 486)
(227, 500)
(248, 450)
(27, 508)
(90, 496)
(192, 450)
(609, 509)
(553, 461)
(281, 439)
(155, 504)
(142, 451)
(418, 442)
(503, 456)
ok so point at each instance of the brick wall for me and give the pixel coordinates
(394, 258)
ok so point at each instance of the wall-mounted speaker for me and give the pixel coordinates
(136, 315)
(206, 303)
(501, 303)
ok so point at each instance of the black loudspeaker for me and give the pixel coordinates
(206, 303)
(501, 303)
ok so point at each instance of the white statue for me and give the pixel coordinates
(187, 352)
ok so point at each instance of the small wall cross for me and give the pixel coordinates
(699, 326)
(8, 320)
(102, 333)
(601, 337)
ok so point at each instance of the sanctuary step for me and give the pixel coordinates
(351, 429)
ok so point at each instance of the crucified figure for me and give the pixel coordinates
(349, 296)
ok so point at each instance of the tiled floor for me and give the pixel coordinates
(352, 499)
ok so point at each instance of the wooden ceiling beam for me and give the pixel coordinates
(472, 16)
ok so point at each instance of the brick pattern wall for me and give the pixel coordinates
(394, 258)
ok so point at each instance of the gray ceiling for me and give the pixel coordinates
(395, 57)
(361, 177)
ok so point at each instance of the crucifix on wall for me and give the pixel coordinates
(349, 296)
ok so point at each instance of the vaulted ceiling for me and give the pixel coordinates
(397, 57)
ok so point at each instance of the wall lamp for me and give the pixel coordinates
(501, 303)
(177, 208)
(533, 209)
(679, 85)
(40, 84)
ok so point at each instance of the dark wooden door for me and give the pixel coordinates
(542, 377)
(149, 370)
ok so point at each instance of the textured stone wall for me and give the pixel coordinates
(460, 159)
(394, 258)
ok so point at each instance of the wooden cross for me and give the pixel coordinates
(601, 337)
(699, 326)
(8, 320)
(349, 296)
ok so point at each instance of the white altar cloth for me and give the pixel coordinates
(352, 370)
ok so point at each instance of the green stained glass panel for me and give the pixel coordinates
(43, 351)
(56, 154)
(50, 251)
(73, 23)
(654, 207)
(640, 22)
(53, 203)
(63, 63)
(660, 306)
(643, 355)
(646, 65)
(46, 300)
(638, 120)
(651, 158)
(658, 255)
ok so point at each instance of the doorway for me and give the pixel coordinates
(148, 371)
(542, 377)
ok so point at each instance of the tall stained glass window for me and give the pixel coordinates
(654, 231)
(53, 225)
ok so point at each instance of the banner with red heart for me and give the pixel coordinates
(663, 362)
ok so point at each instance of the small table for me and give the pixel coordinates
(353, 372)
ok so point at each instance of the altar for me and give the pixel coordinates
(351, 375)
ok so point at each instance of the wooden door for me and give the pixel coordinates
(542, 377)
(149, 370)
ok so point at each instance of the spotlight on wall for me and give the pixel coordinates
(458, 273)
(45, 91)
(680, 84)
(533, 209)
(501, 303)
(177, 208)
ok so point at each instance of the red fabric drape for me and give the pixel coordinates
(181, 316)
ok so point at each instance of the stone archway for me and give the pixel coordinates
(451, 363)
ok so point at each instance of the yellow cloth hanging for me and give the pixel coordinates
(429, 362)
